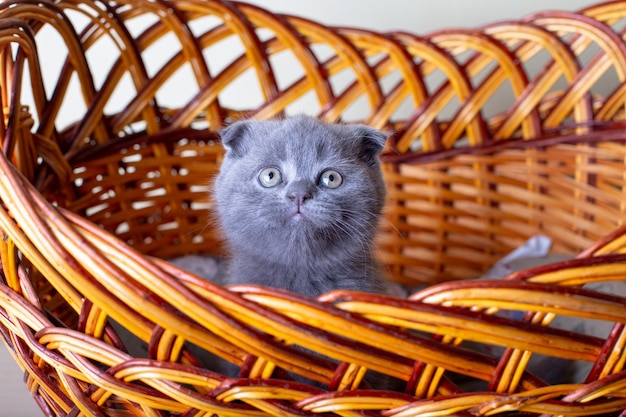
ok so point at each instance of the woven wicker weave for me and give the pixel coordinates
(500, 134)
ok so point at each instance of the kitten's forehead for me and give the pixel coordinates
(304, 142)
(290, 169)
(307, 158)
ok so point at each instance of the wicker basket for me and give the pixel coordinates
(500, 134)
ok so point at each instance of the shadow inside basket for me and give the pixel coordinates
(153, 192)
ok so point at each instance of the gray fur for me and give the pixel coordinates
(329, 246)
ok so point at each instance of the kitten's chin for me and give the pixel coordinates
(298, 218)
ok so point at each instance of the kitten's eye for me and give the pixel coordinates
(270, 177)
(330, 179)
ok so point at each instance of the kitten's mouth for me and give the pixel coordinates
(297, 215)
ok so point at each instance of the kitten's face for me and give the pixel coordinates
(299, 188)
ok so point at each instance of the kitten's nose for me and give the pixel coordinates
(299, 192)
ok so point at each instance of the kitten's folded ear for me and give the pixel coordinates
(372, 142)
(233, 138)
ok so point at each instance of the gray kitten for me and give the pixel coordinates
(298, 201)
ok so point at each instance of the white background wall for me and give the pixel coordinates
(419, 16)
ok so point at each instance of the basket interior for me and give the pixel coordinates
(496, 133)
(448, 216)
(153, 193)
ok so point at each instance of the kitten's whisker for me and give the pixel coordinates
(393, 226)
(375, 247)
(380, 218)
